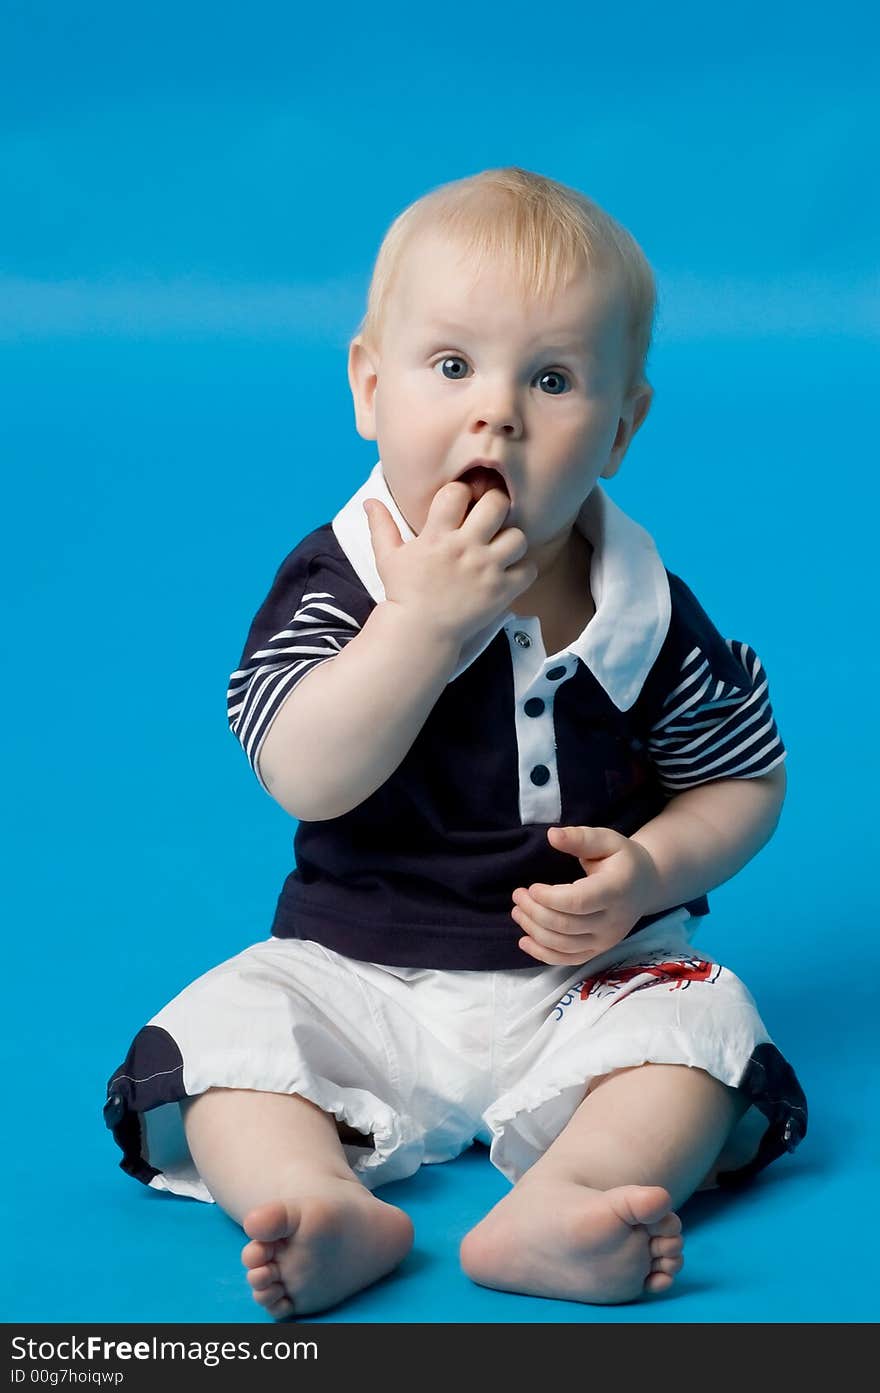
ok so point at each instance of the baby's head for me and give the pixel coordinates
(509, 318)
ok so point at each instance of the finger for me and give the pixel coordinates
(530, 913)
(487, 515)
(546, 955)
(509, 545)
(448, 507)
(586, 843)
(594, 925)
(582, 897)
(522, 574)
(578, 944)
(384, 532)
(572, 940)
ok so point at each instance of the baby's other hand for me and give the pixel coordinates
(572, 923)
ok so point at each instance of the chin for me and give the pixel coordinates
(415, 518)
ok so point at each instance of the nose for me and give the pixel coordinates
(498, 412)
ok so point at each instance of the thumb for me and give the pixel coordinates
(587, 843)
(384, 532)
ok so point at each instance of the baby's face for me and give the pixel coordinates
(467, 369)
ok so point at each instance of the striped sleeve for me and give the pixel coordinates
(716, 722)
(308, 617)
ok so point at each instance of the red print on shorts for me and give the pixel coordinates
(677, 972)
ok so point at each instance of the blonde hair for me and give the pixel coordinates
(545, 229)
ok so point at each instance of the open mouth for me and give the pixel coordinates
(480, 479)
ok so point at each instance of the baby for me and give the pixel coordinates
(520, 754)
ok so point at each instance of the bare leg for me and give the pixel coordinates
(593, 1219)
(274, 1162)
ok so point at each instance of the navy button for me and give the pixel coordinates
(555, 673)
(114, 1110)
(540, 774)
(534, 706)
(522, 639)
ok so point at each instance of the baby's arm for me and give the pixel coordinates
(706, 834)
(352, 720)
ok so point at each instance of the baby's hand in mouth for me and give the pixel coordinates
(480, 479)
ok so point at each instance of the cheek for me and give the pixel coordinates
(556, 488)
(552, 499)
(411, 487)
(405, 416)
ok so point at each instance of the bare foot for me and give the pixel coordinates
(311, 1252)
(560, 1239)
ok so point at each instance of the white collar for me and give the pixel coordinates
(628, 582)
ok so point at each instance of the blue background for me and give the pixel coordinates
(191, 204)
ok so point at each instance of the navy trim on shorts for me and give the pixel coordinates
(772, 1086)
(151, 1074)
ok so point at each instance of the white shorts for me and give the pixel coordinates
(422, 1063)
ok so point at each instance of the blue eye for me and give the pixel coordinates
(553, 373)
(453, 358)
(560, 377)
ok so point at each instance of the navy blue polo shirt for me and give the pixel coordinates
(649, 700)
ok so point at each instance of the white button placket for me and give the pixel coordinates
(535, 683)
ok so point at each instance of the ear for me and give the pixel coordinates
(635, 409)
(362, 379)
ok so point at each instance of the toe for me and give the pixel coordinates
(668, 1265)
(271, 1221)
(658, 1281)
(667, 1227)
(274, 1299)
(665, 1247)
(639, 1204)
(257, 1254)
(270, 1296)
(262, 1278)
(282, 1307)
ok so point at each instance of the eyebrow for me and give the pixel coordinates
(436, 327)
